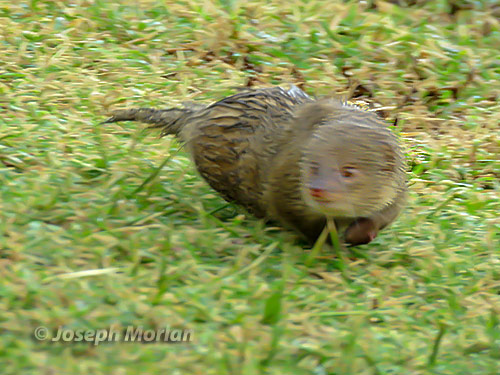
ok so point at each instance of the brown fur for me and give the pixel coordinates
(266, 149)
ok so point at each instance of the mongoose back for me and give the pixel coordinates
(288, 157)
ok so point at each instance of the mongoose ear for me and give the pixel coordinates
(309, 115)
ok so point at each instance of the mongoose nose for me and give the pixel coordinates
(317, 193)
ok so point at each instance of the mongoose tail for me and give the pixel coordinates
(170, 120)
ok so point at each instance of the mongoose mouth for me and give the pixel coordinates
(323, 196)
(328, 203)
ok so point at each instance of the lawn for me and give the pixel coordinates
(106, 226)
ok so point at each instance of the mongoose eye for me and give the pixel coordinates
(348, 172)
(314, 170)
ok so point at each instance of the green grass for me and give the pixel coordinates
(423, 298)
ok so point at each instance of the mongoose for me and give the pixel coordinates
(288, 157)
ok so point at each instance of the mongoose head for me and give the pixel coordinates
(351, 164)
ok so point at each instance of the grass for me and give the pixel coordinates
(108, 226)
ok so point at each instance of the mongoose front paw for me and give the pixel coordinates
(360, 232)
